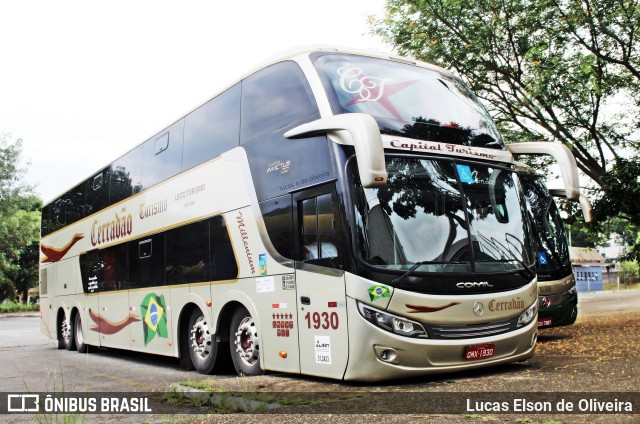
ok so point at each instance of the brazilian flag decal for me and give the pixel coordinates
(377, 292)
(155, 319)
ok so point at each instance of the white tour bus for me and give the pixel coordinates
(337, 213)
(557, 291)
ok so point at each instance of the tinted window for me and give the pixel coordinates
(74, 204)
(277, 214)
(125, 176)
(212, 129)
(45, 227)
(318, 230)
(162, 155)
(188, 254)
(57, 215)
(92, 271)
(97, 191)
(146, 262)
(274, 97)
(116, 269)
(223, 260)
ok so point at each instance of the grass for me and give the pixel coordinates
(18, 307)
(221, 401)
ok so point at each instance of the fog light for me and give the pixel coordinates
(388, 355)
(534, 338)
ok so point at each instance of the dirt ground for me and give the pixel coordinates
(594, 358)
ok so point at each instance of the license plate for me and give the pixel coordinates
(544, 322)
(480, 352)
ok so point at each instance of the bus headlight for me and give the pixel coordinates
(391, 323)
(528, 315)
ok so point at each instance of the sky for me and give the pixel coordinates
(83, 82)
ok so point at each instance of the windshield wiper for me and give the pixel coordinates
(409, 272)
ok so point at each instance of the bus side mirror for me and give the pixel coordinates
(562, 155)
(585, 205)
(352, 129)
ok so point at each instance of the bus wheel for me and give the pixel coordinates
(202, 344)
(65, 337)
(79, 335)
(245, 344)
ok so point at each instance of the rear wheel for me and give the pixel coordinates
(245, 344)
(65, 334)
(203, 347)
(81, 346)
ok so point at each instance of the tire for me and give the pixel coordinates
(202, 344)
(81, 346)
(245, 343)
(65, 334)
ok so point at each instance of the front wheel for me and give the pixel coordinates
(203, 347)
(245, 344)
(81, 346)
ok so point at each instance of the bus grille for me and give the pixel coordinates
(471, 331)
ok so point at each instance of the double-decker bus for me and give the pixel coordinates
(337, 213)
(557, 292)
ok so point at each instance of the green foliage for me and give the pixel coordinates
(629, 269)
(550, 70)
(18, 307)
(19, 223)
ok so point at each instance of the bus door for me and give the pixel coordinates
(320, 284)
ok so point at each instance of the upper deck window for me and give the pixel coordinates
(274, 97)
(407, 100)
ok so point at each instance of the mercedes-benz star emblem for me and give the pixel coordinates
(478, 308)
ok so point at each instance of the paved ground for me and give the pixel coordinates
(597, 354)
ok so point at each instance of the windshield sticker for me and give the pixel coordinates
(542, 258)
(466, 176)
(371, 89)
(377, 292)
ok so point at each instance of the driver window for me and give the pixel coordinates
(318, 230)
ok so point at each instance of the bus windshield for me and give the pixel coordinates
(550, 236)
(407, 100)
(449, 216)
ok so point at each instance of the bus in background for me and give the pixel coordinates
(557, 291)
(337, 213)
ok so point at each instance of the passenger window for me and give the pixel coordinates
(97, 192)
(188, 254)
(146, 262)
(212, 129)
(274, 97)
(162, 155)
(278, 219)
(125, 176)
(223, 259)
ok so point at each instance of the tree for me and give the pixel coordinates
(550, 70)
(19, 221)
